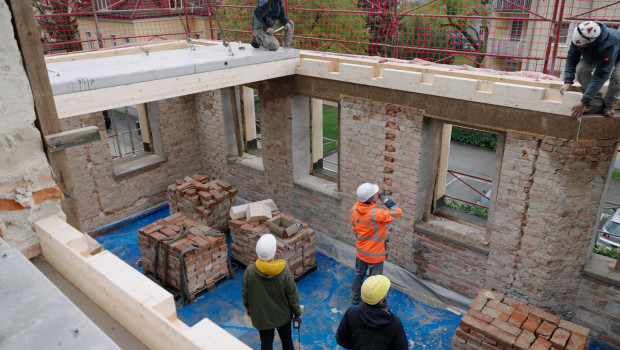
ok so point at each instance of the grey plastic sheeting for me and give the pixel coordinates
(424, 291)
(97, 73)
(34, 314)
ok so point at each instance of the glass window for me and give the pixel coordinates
(128, 131)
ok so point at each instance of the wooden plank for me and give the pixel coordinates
(235, 115)
(249, 114)
(47, 117)
(71, 138)
(316, 129)
(140, 305)
(78, 103)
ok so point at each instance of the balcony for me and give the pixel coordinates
(511, 6)
(504, 47)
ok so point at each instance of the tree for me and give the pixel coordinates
(57, 26)
(435, 30)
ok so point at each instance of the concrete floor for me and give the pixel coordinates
(105, 322)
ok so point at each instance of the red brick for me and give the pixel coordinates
(506, 327)
(546, 316)
(46, 194)
(540, 344)
(482, 337)
(524, 340)
(479, 302)
(500, 336)
(575, 328)
(9, 204)
(576, 342)
(495, 313)
(479, 315)
(517, 318)
(531, 324)
(511, 302)
(459, 333)
(501, 307)
(559, 338)
(545, 330)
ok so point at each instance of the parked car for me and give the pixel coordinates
(609, 233)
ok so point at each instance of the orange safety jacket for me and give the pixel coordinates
(369, 224)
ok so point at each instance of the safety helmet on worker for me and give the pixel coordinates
(266, 247)
(374, 289)
(585, 33)
(366, 191)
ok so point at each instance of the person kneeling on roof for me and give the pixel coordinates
(269, 18)
(595, 48)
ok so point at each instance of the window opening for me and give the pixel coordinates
(325, 138)
(89, 42)
(466, 192)
(516, 30)
(128, 132)
(251, 121)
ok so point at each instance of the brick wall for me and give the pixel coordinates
(212, 137)
(380, 143)
(448, 264)
(549, 191)
(598, 307)
(103, 198)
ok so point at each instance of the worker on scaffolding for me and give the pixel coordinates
(594, 48)
(269, 18)
(370, 227)
(371, 325)
(270, 295)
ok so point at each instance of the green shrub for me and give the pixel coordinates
(616, 175)
(467, 208)
(606, 251)
(330, 127)
(476, 138)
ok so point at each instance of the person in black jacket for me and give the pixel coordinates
(595, 48)
(371, 325)
(268, 17)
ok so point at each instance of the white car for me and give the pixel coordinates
(609, 233)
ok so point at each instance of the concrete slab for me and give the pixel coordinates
(36, 315)
(97, 73)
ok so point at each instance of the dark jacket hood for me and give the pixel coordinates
(376, 316)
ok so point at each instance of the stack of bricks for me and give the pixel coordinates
(299, 251)
(202, 200)
(497, 322)
(203, 267)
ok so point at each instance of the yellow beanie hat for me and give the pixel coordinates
(374, 289)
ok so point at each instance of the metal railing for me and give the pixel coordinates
(457, 175)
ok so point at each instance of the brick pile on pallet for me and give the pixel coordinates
(497, 322)
(203, 267)
(203, 199)
(300, 254)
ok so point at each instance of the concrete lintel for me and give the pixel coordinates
(468, 113)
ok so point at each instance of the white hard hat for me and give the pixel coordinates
(366, 191)
(266, 247)
(586, 33)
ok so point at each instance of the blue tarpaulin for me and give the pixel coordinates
(325, 293)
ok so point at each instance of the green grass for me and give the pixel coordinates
(466, 208)
(606, 251)
(330, 127)
(616, 175)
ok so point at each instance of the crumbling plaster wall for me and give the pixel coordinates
(104, 198)
(27, 190)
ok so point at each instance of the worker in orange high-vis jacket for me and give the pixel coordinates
(369, 224)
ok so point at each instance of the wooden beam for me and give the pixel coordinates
(71, 138)
(235, 115)
(47, 117)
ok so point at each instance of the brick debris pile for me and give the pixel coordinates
(298, 250)
(497, 322)
(205, 258)
(203, 199)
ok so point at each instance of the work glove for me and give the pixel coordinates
(382, 196)
(389, 203)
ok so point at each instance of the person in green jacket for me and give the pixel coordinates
(270, 295)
